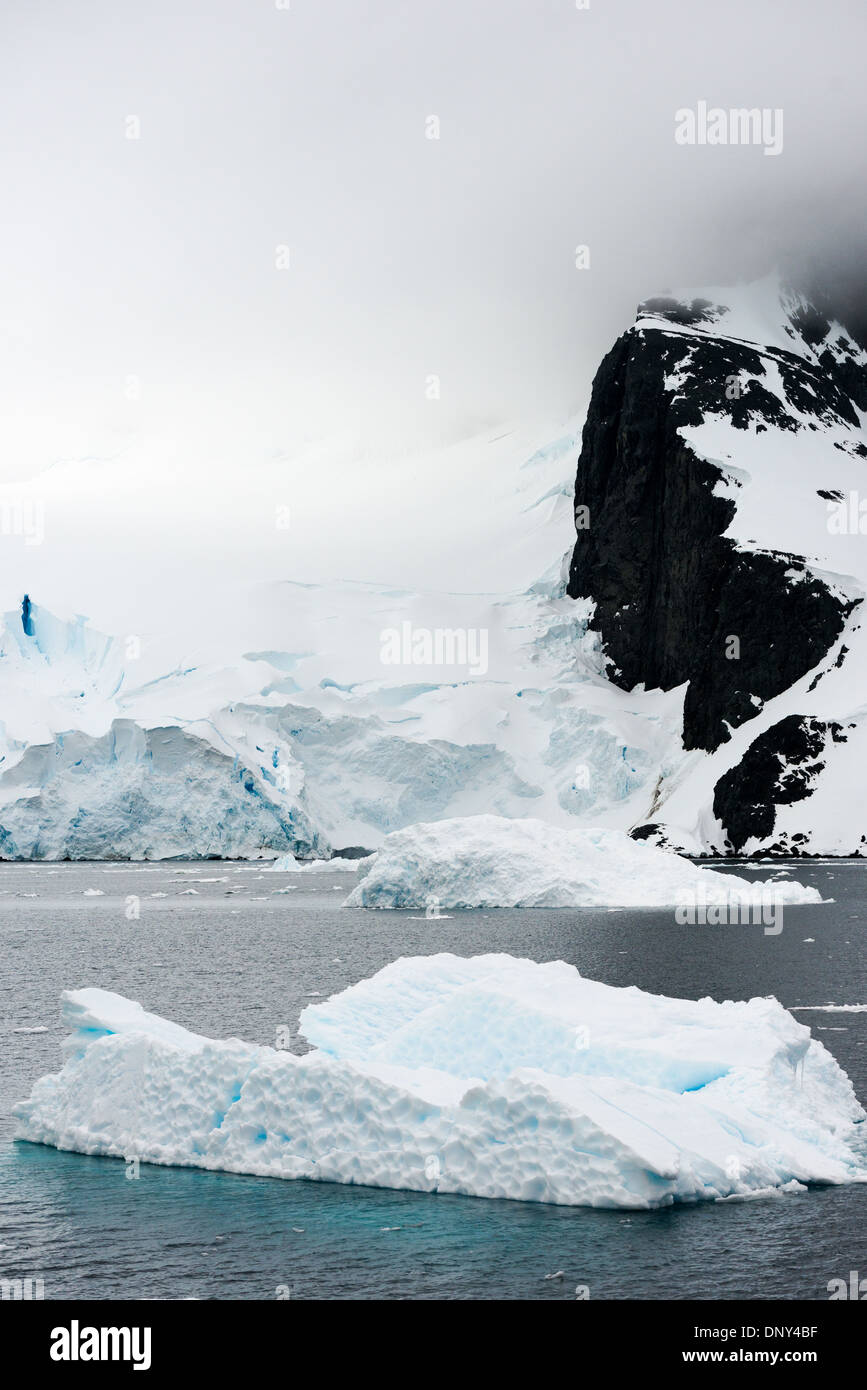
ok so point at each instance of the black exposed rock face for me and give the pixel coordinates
(659, 835)
(670, 591)
(779, 767)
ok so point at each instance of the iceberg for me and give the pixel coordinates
(490, 861)
(338, 863)
(489, 1076)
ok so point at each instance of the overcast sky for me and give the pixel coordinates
(141, 294)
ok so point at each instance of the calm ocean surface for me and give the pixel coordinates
(236, 958)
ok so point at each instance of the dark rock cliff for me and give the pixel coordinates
(779, 767)
(671, 591)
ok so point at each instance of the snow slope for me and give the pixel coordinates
(487, 861)
(492, 1076)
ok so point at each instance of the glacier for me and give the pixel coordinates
(314, 746)
(134, 793)
(490, 861)
(489, 1076)
(262, 679)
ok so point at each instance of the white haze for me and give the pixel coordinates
(146, 268)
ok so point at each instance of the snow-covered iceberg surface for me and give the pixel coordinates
(489, 861)
(492, 1076)
(338, 863)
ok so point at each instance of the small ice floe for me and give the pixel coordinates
(158, 895)
(560, 1274)
(39, 1028)
(809, 939)
(290, 888)
(189, 893)
(829, 1008)
(762, 1192)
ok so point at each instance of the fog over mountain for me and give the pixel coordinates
(142, 300)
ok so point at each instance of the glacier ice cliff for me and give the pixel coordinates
(143, 794)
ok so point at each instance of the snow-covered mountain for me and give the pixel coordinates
(694, 676)
(722, 539)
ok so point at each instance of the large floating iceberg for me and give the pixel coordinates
(489, 861)
(489, 1076)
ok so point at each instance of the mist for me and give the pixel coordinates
(263, 226)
